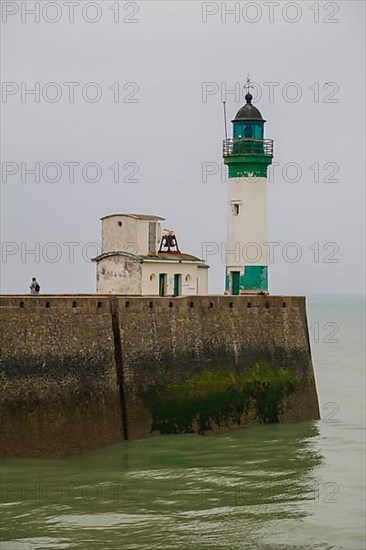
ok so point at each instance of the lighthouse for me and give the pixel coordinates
(247, 155)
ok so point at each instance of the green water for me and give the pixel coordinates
(277, 487)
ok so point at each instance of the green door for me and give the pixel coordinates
(177, 284)
(162, 284)
(235, 283)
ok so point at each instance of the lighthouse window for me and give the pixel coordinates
(236, 209)
(248, 132)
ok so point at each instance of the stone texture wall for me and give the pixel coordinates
(75, 369)
(58, 388)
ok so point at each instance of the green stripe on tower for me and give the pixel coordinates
(253, 278)
(248, 166)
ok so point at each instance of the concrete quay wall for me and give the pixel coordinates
(76, 371)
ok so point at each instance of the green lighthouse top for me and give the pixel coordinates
(248, 153)
(248, 111)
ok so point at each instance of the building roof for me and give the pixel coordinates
(159, 257)
(135, 216)
(248, 111)
(171, 257)
(114, 253)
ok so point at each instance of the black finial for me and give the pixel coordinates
(248, 85)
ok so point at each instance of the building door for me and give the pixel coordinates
(177, 284)
(162, 284)
(235, 283)
(152, 238)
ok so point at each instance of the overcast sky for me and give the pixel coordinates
(162, 70)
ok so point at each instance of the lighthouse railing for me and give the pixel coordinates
(239, 146)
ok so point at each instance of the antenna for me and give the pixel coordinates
(248, 84)
(225, 122)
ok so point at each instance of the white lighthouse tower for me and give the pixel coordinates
(247, 155)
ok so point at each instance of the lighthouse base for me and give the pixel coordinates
(247, 279)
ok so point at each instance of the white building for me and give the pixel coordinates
(136, 260)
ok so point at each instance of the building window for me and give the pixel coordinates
(152, 238)
(120, 224)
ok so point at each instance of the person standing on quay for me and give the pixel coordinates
(34, 288)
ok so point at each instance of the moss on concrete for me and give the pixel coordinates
(216, 398)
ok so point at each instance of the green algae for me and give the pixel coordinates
(217, 398)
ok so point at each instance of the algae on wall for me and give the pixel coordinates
(216, 398)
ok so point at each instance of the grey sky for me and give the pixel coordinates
(170, 131)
